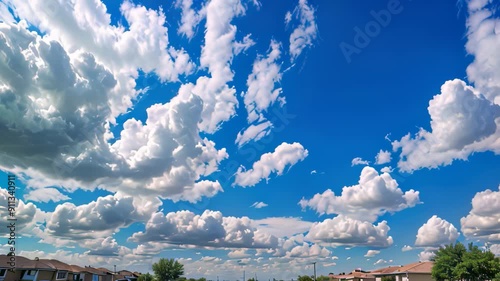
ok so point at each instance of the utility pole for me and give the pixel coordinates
(314, 263)
(244, 276)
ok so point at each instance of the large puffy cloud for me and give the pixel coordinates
(210, 228)
(168, 153)
(273, 162)
(55, 105)
(342, 230)
(86, 26)
(465, 119)
(373, 196)
(483, 43)
(98, 219)
(462, 122)
(48, 99)
(436, 232)
(483, 221)
(305, 33)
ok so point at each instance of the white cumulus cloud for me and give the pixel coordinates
(483, 220)
(383, 157)
(285, 155)
(346, 231)
(462, 121)
(436, 232)
(373, 196)
(210, 229)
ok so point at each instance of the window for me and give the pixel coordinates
(3, 271)
(31, 272)
(61, 275)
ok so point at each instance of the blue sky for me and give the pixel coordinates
(256, 136)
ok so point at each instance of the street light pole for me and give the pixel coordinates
(314, 263)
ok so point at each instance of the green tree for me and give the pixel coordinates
(322, 278)
(202, 279)
(145, 277)
(446, 260)
(477, 265)
(305, 278)
(455, 262)
(168, 269)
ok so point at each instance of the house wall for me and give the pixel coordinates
(45, 275)
(420, 277)
(12, 276)
(107, 278)
(87, 277)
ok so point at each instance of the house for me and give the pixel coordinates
(64, 272)
(108, 274)
(87, 273)
(36, 270)
(125, 274)
(355, 275)
(6, 274)
(77, 272)
(418, 271)
(55, 270)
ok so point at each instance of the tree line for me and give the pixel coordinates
(456, 262)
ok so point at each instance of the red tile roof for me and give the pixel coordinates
(416, 267)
